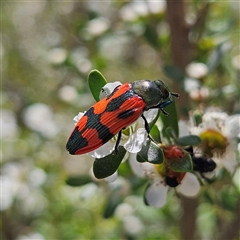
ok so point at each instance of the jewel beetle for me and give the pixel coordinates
(117, 111)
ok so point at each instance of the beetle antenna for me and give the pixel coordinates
(176, 95)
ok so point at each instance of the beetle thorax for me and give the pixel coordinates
(152, 92)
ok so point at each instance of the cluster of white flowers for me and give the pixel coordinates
(23, 184)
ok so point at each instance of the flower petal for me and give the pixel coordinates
(232, 126)
(140, 169)
(132, 225)
(136, 140)
(229, 159)
(108, 89)
(103, 151)
(189, 186)
(151, 114)
(236, 179)
(156, 194)
(78, 117)
(112, 177)
(183, 128)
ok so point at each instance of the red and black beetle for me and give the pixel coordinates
(117, 111)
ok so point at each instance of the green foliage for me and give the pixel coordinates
(96, 82)
(155, 133)
(113, 201)
(106, 166)
(150, 152)
(174, 73)
(76, 181)
(181, 164)
(170, 121)
(190, 140)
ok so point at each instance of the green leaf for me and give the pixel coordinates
(181, 164)
(76, 181)
(113, 201)
(171, 133)
(151, 36)
(189, 140)
(174, 73)
(124, 169)
(170, 121)
(155, 133)
(154, 130)
(106, 166)
(140, 158)
(96, 82)
(150, 152)
(197, 117)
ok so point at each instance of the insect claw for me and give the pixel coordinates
(118, 141)
(152, 139)
(116, 149)
(164, 112)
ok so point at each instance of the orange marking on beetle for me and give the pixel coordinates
(133, 102)
(100, 106)
(121, 90)
(88, 148)
(91, 135)
(88, 133)
(82, 123)
(114, 123)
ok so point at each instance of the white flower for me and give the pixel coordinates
(97, 26)
(20, 187)
(197, 70)
(57, 55)
(189, 186)
(40, 118)
(219, 133)
(132, 225)
(156, 193)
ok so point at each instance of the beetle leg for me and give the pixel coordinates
(161, 106)
(118, 141)
(164, 104)
(147, 127)
(164, 112)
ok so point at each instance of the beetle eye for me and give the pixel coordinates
(165, 92)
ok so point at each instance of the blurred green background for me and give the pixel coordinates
(47, 50)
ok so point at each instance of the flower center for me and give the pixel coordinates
(213, 142)
(171, 178)
(173, 152)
